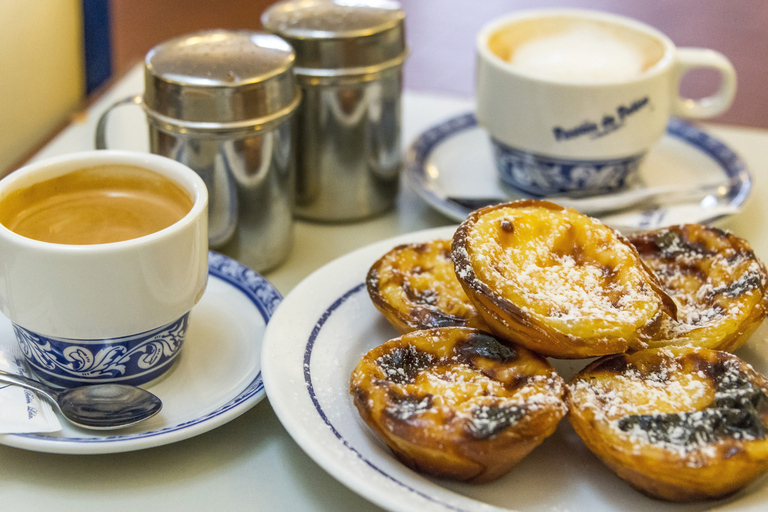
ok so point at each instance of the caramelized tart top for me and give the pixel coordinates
(716, 280)
(558, 267)
(682, 399)
(456, 380)
(415, 287)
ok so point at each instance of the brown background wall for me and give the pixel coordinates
(441, 35)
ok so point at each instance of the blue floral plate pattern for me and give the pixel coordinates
(216, 378)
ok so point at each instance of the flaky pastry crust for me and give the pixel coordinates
(455, 403)
(677, 423)
(414, 287)
(556, 281)
(716, 280)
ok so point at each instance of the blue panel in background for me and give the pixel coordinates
(97, 43)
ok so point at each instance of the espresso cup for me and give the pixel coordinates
(574, 99)
(100, 290)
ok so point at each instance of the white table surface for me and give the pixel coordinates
(251, 463)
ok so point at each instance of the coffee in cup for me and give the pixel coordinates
(102, 256)
(576, 50)
(98, 205)
(573, 99)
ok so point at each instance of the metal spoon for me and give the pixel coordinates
(660, 195)
(100, 406)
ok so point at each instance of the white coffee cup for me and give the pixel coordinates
(573, 99)
(110, 312)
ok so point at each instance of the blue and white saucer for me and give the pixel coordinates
(216, 379)
(453, 161)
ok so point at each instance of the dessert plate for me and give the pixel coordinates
(453, 161)
(216, 379)
(312, 345)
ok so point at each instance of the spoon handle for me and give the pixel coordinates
(654, 195)
(19, 380)
(619, 201)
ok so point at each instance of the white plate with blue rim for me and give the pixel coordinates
(217, 376)
(312, 344)
(451, 166)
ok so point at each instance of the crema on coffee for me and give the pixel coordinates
(97, 205)
(575, 50)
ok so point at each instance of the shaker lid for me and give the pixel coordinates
(220, 76)
(337, 37)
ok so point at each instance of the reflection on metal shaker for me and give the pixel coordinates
(223, 103)
(349, 162)
(349, 59)
(250, 210)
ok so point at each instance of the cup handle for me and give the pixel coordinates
(101, 127)
(692, 58)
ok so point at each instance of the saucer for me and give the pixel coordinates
(454, 160)
(312, 344)
(216, 379)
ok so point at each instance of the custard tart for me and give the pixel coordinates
(454, 402)
(677, 423)
(557, 282)
(414, 286)
(716, 280)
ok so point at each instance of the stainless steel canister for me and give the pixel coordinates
(222, 102)
(349, 57)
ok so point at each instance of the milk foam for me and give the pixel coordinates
(579, 55)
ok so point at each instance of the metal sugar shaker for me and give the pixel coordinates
(349, 57)
(222, 102)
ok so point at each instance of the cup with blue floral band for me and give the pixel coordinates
(103, 254)
(573, 99)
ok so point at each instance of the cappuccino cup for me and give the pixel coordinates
(102, 256)
(573, 99)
